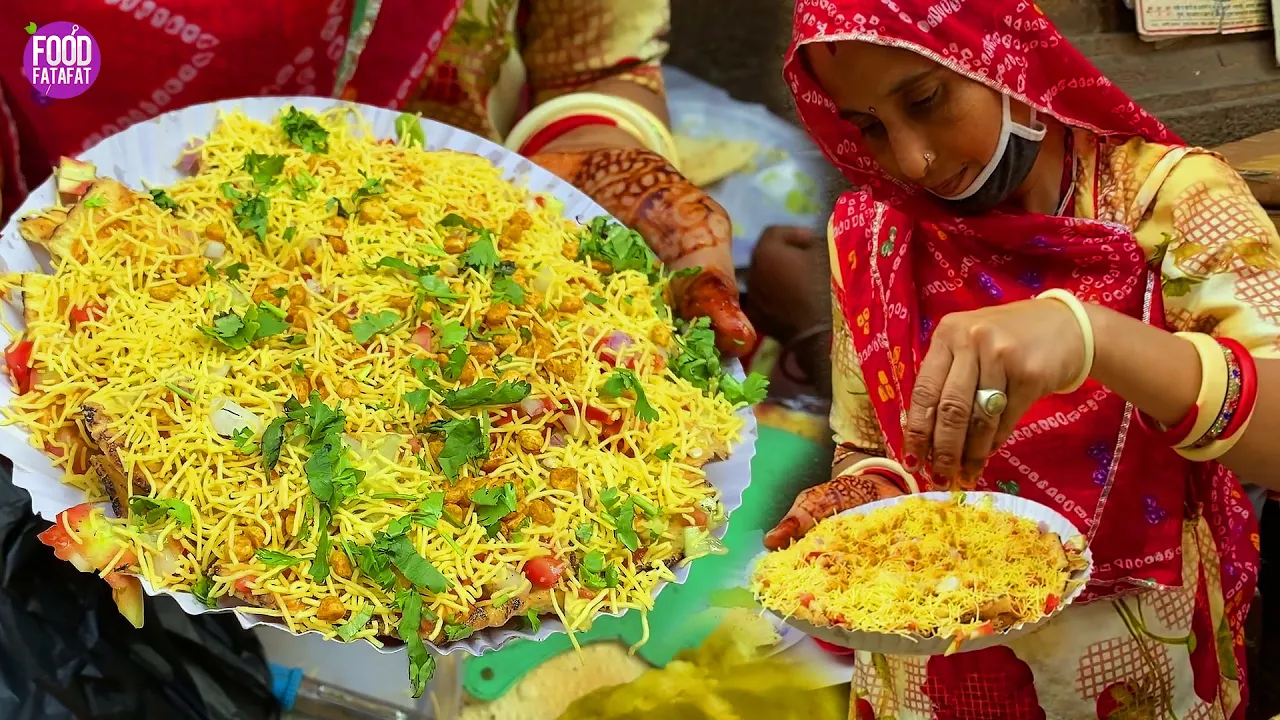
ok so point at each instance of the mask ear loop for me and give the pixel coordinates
(1006, 128)
(1033, 131)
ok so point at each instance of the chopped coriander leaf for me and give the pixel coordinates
(302, 129)
(696, 358)
(243, 439)
(272, 558)
(585, 532)
(664, 452)
(374, 565)
(448, 334)
(162, 200)
(272, 442)
(594, 299)
(750, 391)
(487, 391)
(280, 292)
(535, 622)
(647, 507)
(230, 192)
(619, 246)
(370, 324)
(397, 264)
(482, 254)
(493, 504)
(95, 201)
(418, 400)
(356, 623)
(269, 386)
(210, 270)
(238, 332)
(153, 510)
(409, 130)
(593, 573)
(415, 568)
(454, 632)
(432, 250)
(320, 562)
(180, 392)
(685, 272)
(436, 288)
(456, 220)
(393, 496)
(336, 203)
(251, 214)
(623, 528)
(233, 271)
(452, 370)
(290, 232)
(507, 290)
(298, 368)
(263, 168)
(421, 663)
(370, 187)
(621, 380)
(203, 590)
(302, 184)
(464, 440)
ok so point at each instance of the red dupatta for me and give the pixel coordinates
(905, 262)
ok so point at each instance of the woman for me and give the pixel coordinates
(481, 65)
(996, 164)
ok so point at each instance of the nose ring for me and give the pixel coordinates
(928, 160)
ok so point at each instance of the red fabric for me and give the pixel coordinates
(992, 682)
(910, 262)
(158, 57)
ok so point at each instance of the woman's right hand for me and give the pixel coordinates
(825, 500)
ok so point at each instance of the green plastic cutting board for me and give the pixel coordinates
(784, 464)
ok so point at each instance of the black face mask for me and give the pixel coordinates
(1014, 157)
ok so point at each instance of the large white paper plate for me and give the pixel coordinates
(147, 152)
(891, 644)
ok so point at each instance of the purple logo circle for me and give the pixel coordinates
(61, 60)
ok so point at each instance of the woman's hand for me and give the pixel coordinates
(681, 223)
(1027, 349)
(825, 500)
(785, 266)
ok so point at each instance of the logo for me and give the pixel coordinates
(61, 60)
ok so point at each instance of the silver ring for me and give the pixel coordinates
(991, 402)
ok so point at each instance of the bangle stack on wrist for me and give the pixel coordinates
(885, 468)
(554, 118)
(1224, 405)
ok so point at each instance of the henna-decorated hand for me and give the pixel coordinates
(682, 224)
(825, 500)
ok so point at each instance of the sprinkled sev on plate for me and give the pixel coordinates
(367, 389)
(922, 568)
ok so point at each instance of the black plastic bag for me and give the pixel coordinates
(66, 652)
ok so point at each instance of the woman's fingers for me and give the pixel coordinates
(982, 427)
(917, 433)
(825, 500)
(954, 410)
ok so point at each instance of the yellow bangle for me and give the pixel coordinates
(628, 114)
(1213, 386)
(883, 464)
(1217, 448)
(1086, 329)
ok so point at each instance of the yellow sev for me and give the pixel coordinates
(160, 379)
(919, 567)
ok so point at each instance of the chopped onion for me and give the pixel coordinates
(572, 424)
(533, 407)
(385, 446)
(214, 250)
(228, 417)
(557, 440)
(617, 340)
(699, 543)
(189, 160)
(542, 282)
(423, 337)
(314, 286)
(222, 370)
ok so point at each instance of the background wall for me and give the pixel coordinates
(1210, 89)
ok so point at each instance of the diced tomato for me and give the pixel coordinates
(837, 619)
(545, 571)
(85, 313)
(17, 357)
(1050, 604)
(598, 415)
(586, 594)
(805, 599)
(638, 555)
(539, 199)
(68, 439)
(984, 629)
(700, 518)
(244, 585)
(423, 337)
(127, 592)
(94, 546)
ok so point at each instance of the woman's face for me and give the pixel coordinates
(907, 106)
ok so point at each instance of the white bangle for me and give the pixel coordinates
(1086, 329)
(883, 464)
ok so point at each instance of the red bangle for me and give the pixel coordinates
(1174, 436)
(555, 129)
(1248, 386)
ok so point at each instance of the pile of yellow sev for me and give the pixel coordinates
(372, 390)
(921, 568)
